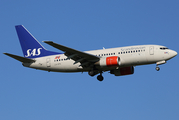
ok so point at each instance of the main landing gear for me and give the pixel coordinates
(100, 77)
(95, 72)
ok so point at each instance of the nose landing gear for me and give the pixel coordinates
(157, 68)
(159, 63)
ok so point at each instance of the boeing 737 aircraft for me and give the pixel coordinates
(118, 61)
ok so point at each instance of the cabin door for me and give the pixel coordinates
(151, 50)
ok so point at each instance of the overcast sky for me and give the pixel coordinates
(29, 94)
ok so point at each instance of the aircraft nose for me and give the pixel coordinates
(174, 53)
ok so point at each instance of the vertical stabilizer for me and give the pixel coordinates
(30, 46)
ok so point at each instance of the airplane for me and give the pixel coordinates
(118, 61)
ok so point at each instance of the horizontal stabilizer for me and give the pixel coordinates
(19, 58)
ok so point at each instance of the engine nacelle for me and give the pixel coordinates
(109, 61)
(123, 71)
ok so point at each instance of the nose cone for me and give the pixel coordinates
(173, 53)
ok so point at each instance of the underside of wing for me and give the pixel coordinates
(84, 58)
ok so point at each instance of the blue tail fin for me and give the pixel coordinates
(30, 46)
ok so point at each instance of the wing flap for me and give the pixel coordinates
(19, 58)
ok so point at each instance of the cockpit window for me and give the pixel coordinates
(163, 48)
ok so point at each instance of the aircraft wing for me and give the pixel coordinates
(77, 56)
(19, 58)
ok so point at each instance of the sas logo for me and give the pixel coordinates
(34, 52)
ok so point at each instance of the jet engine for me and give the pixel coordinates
(123, 71)
(109, 61)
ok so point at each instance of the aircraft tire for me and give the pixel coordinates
(157, 68)
(100, 77)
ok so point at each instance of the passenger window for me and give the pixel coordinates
(163, 48)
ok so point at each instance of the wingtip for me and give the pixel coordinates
(47, 41)
(7, 54)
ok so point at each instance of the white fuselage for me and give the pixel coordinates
(129, 56)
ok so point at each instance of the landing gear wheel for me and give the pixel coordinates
(157, 68)
(100, 77)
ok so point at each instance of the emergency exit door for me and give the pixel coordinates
(48, 62)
